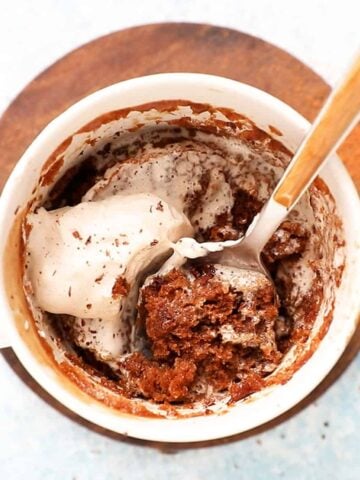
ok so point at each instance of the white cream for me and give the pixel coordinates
(75, 255)
(174, 173)
(243, 280)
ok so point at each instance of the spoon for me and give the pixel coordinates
(331, 125)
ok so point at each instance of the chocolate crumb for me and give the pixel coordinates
(76, 234)
(120, 287)
(160, 206)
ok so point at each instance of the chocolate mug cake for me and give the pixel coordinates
(103, 227)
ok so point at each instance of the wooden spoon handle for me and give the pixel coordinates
(329, 128)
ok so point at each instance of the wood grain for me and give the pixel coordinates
(152, 49)
(177, 47)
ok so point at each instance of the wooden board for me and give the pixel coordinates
(175, 47)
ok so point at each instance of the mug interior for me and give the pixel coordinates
(52, 153)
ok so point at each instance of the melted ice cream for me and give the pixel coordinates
(83, 261)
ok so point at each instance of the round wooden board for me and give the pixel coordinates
(172, 47)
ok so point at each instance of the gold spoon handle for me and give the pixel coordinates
(335, 118)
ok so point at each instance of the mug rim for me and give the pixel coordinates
(182, 429)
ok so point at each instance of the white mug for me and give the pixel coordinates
(264, 110)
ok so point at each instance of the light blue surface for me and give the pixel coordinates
(36, 441)
(321, 442)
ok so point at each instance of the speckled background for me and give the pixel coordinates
(38, 442)
(320, 442)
